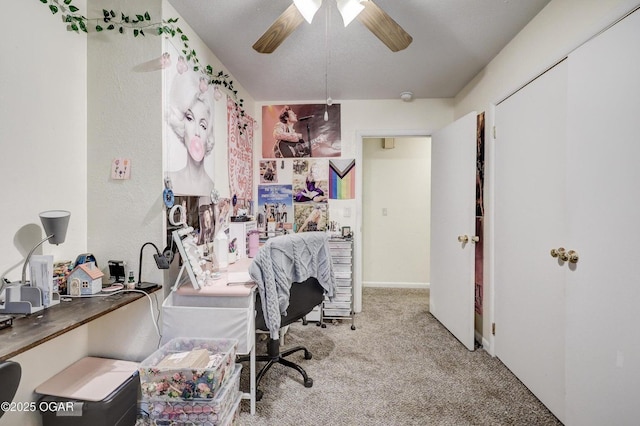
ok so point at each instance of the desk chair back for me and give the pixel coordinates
(10, 374)
(303, 297)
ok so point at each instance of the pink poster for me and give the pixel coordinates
(240, 154)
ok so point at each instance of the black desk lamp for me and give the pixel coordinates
(161, 263)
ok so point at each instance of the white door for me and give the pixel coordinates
(530, 221)
(453, 198)
(603, 288)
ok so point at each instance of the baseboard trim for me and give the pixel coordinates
(487, 346)
(394, 284)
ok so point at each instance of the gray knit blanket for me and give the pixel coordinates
(285, 260)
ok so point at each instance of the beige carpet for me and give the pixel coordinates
(400, 367)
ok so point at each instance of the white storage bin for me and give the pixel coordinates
(203, 316)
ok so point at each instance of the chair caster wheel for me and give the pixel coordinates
(308, 382)
(353, 327)
(307, 355)
(324, 325)
(258, 394)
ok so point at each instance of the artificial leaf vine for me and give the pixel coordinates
(138, 23)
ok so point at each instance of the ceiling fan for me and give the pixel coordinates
(366, 11)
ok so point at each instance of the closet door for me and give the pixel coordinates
(603, 288)
(453, 199)
(530, 221)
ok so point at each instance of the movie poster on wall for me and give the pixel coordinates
(189, 128)
(275, 205)
(294, 131)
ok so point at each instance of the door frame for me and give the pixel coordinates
(361, 135)
(488, 260)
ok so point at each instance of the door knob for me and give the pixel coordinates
(563, 255)
(557, 252)
(573, 256)
(475, 239)
(463, 238)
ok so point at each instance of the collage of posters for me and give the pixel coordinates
(297, 207)
(301, 168)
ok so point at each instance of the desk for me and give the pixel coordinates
(116, 326)
(32, 330)
(215, 311)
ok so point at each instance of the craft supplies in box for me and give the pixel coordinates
(215, 411)
(169, 383)
(197, 358)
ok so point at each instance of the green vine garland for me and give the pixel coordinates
(139, 23)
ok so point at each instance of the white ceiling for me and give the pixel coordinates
(452, 41)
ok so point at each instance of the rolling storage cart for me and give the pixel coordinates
(342, 260)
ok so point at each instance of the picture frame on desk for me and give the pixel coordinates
(346, 231)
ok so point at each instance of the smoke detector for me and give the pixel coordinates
(406, 96)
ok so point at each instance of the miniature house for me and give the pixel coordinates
(85, 279)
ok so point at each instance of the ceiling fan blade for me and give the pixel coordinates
(384, 27)
(279, 30)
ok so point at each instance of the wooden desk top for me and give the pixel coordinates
(32, 330)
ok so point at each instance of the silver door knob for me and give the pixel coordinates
(463, 238)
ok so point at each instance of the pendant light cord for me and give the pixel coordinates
(327, 15)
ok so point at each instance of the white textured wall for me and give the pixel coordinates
(124, 120)
(43, 131)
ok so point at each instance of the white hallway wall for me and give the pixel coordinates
(396, 247)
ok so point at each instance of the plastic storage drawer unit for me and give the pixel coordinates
(70, 397)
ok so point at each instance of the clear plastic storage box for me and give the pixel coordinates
(177, 384)
(216, 411)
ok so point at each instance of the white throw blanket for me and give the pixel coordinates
(285, 260)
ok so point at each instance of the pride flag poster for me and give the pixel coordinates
(342, 179)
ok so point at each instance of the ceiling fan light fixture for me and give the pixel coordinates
(349, 9)
(308, 8)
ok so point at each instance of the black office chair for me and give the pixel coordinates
(303, 297)
(10, 374)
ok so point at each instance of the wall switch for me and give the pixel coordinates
(347, 212)
(384, 211)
